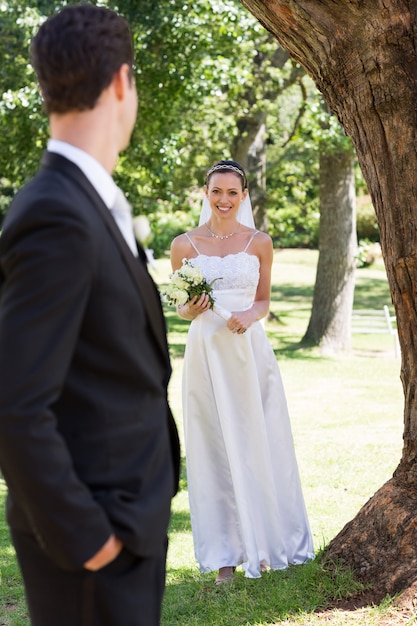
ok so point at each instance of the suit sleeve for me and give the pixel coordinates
(46, 264)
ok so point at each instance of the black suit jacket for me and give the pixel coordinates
(88, 445)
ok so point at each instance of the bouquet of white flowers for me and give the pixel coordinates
(187, 282)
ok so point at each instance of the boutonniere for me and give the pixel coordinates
(144, 236)
(142, 230)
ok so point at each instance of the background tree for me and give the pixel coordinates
(362, 57)
(331, 314)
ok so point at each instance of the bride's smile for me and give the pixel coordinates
(225, 194)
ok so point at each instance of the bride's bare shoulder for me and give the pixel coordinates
(183, 246)
(184, 238)
(263, 238)
(180, 244)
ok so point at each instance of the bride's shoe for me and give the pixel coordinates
(225, 575)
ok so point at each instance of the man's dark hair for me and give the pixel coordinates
(76, 54)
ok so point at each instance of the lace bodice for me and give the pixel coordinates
(237, 271)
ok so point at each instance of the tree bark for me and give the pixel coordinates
(362, 56)
(331, 314)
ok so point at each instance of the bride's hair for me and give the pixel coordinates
(228, 166)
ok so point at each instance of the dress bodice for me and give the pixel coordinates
(234, 271)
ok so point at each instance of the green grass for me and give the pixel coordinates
(12, 603)
(346, 415)
(193, 601)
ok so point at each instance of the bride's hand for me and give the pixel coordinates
(239, 322)
(194, 307)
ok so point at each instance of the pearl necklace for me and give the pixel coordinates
(222, 236)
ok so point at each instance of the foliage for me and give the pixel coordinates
(293, 185)
(166, 226)
(368, 252)
(193, 62)
(23, 125)
(366, 222)
(202, 69)
(295, 226)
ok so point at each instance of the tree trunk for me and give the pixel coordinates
(330, 321)
(257, 178)
(362, 56)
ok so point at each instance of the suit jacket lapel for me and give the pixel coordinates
(142, 279)
(136, 266)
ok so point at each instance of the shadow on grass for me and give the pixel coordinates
(175, 323)
(295, 293)
(192, 599)
(176, 350)
(178, 329)
(290, 350)
(180, 522)
(282, 341)
(371, 293)
(183, 486)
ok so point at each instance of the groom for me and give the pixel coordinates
(88, 446)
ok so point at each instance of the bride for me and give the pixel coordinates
(246, 502)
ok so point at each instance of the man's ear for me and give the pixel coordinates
(122, 81)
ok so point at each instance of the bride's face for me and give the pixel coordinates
(225, 194)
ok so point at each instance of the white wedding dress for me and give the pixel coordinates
(246, 502)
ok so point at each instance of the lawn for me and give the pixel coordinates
(346, 415)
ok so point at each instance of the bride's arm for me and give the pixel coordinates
(182, 249)
(262, 247)
(265, 253)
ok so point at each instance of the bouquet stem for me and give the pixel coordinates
(221, 312)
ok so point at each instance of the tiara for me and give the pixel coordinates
(224, 166)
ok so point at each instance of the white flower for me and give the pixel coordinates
(175, 295)
(180, 296)
(186, 283)
(178, 280)
(142, 228)
(192, 274)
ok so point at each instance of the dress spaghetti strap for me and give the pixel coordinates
(192, 243)
(250, 240)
